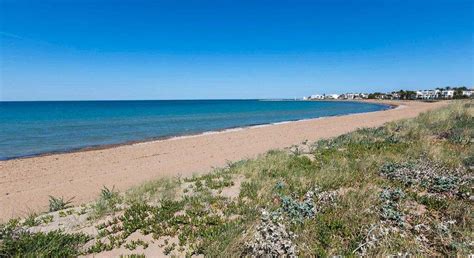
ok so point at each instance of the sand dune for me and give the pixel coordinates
(26, 183)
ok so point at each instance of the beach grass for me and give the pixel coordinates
(403, 188)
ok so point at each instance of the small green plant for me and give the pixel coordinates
(8, 229)
(108, 201)
(279, 186)
(469, 161)
(132, 256)
(52, 244)
(46, 219)
(390, 208)
(58, 203)
(108, 194)
(31, 220)
(298, 211)
(218, 183)
(136, 217)
(82, 211)
(249, 190)
(132, 245)
(169, 248)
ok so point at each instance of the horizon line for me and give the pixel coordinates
(83, 100)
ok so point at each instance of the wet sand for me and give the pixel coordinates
(26, 183)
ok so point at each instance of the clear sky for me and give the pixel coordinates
(84, 49)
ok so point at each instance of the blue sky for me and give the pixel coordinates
(83, 49)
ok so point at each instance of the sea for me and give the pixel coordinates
(42, 127)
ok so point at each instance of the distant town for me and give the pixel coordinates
(438, 93)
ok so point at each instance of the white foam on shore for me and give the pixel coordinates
(173, 138)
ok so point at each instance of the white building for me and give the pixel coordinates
(354, 96)
(447, 94)
(427, 94)
(317, 96)
(468, 93)
(351, 95)
(332, 96)
(395, 95)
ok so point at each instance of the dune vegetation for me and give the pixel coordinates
(403, 188)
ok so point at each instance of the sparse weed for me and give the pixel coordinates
(46, 219)
(54, 243)
(58, 203)
(31, 220)
(132, 245)
(108, 201)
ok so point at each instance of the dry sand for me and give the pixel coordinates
(26, 183)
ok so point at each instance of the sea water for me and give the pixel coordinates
(33, 128)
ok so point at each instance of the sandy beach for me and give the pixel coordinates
(25, 184)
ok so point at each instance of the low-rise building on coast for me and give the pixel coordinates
(332, 96)
(468, 93)
(430, 94)
(447, 94)
(317, 96)
(427, 94)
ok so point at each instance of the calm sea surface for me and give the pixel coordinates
(31, 128)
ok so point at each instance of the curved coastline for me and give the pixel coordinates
(177, 136)
(25, 184)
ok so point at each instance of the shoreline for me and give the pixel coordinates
(171, 137)
(26, 183)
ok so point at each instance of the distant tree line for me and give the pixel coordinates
(409, 94)
(401, 94)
